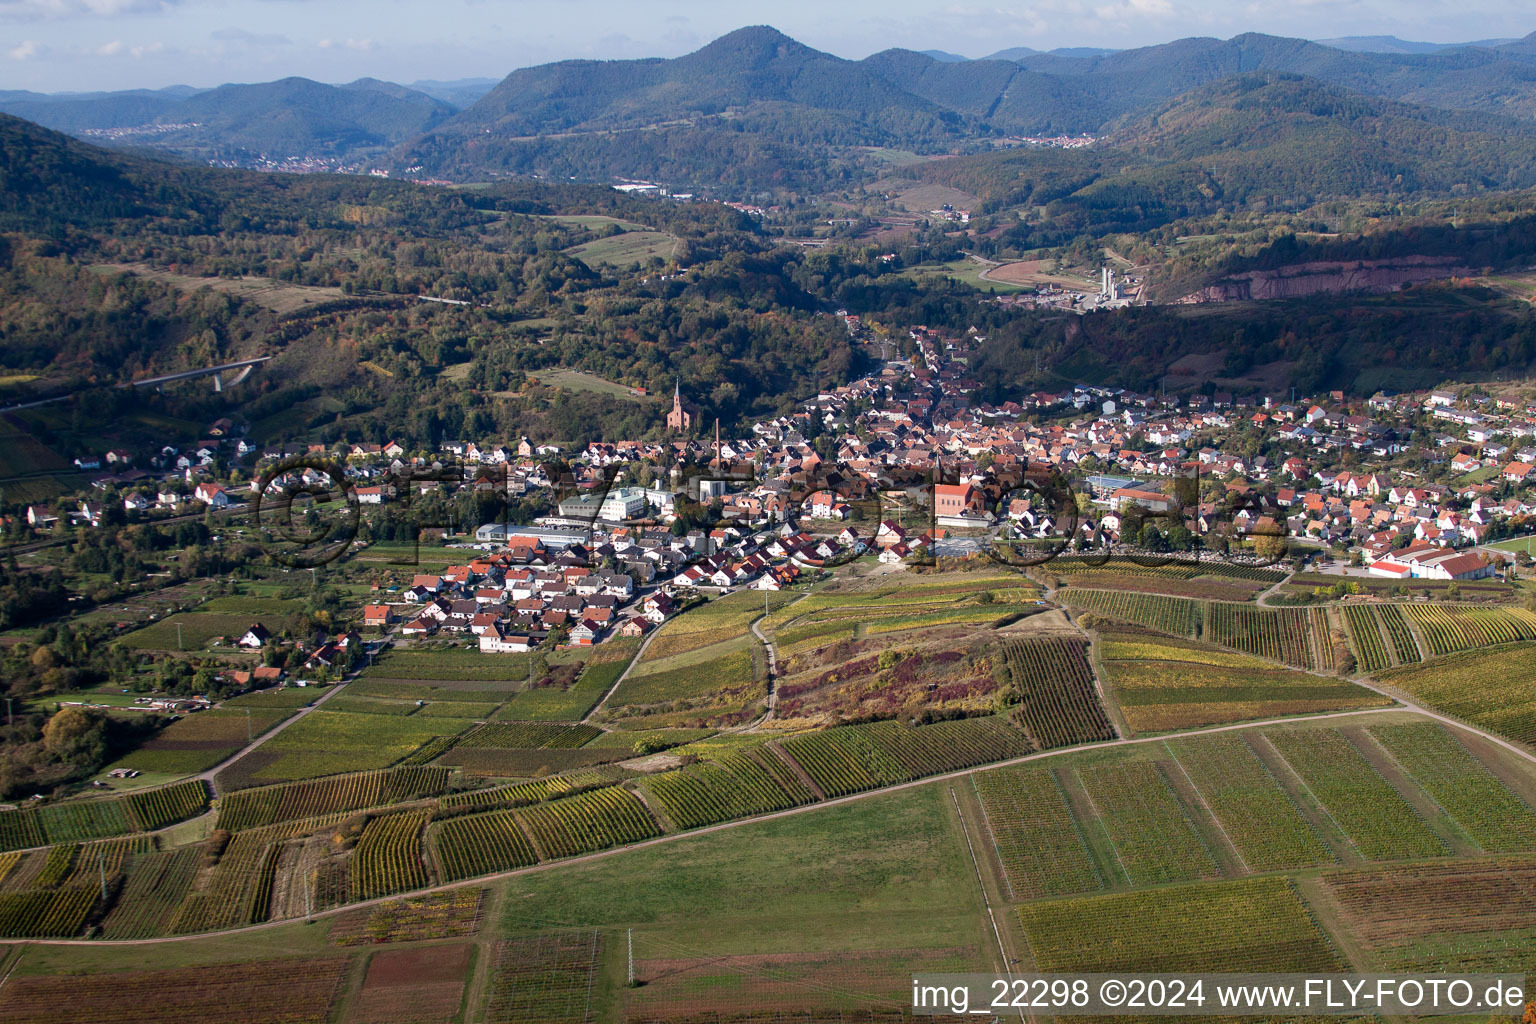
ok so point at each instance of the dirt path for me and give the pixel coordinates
(622, 675)
(209, 775)
(588, 858)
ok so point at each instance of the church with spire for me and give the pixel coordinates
(679, 420)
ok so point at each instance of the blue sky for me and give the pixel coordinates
(77, 45)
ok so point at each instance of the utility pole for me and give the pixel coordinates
(178, 636)
(631, 958)
(248, 736)
(101, 864)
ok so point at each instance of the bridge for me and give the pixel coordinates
(245, 367)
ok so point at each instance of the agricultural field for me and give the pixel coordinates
(1482, 807)
(419, 983)
(1470, 916)
(717, 621)
(1491, 689)
(528, 734)
(728, 681)
(524, 793)
(269, 805)
(195, 743)
(444, 915)
(876, 679)
(1250, 924)
(621, 250)
(544, 979)
(1380, 636)
(330, 742)
(589, 821)
(572, 701)
(198, 630)
(883, 884)
(732, 785)
(454, 664)
(479, 844)
(1038, 842)
(1172, 615)
(1252, 810)
(1058, 702)
(388, 858)
(850, 611)
(859, 757)
(1161, 686)
(1295, 636)
(1377, 820)
(155, 887)
(1203, 580)
(257, 992)
(1153, 838)
(1451, 628)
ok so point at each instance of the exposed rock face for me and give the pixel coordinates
(1305, 279)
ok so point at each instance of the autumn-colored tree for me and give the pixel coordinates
(67, 728)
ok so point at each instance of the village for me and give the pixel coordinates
(897, 465)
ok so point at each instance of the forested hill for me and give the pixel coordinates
(114, 267)
(756, 110)
(1272, 140)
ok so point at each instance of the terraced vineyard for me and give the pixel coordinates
(1380, 636)
(1266, 828)
(1037, 841)
(152, 894)
(1488, 688)
(1366, 638)
(151, 809)
(268, 805)
(1059, 705)
(586, 822)
(528, 735)
(1379, 822)
(1492, 816)
(1250, 924)
(524, 793)
(1296, 636)
(388, 856)
(859, 757)
(1451, 628)
(479, 844)
(731, 785)
(1154, 840)
(1173, 615)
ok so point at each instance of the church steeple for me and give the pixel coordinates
(679, 419)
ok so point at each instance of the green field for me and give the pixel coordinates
(624, 249)
(576, 380)
(327, 742)
(965, 271)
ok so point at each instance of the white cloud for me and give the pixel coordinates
(111, 49)
(30, 10)
(26, 51)
(147, 50)
(241, 37)
(361, 45)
